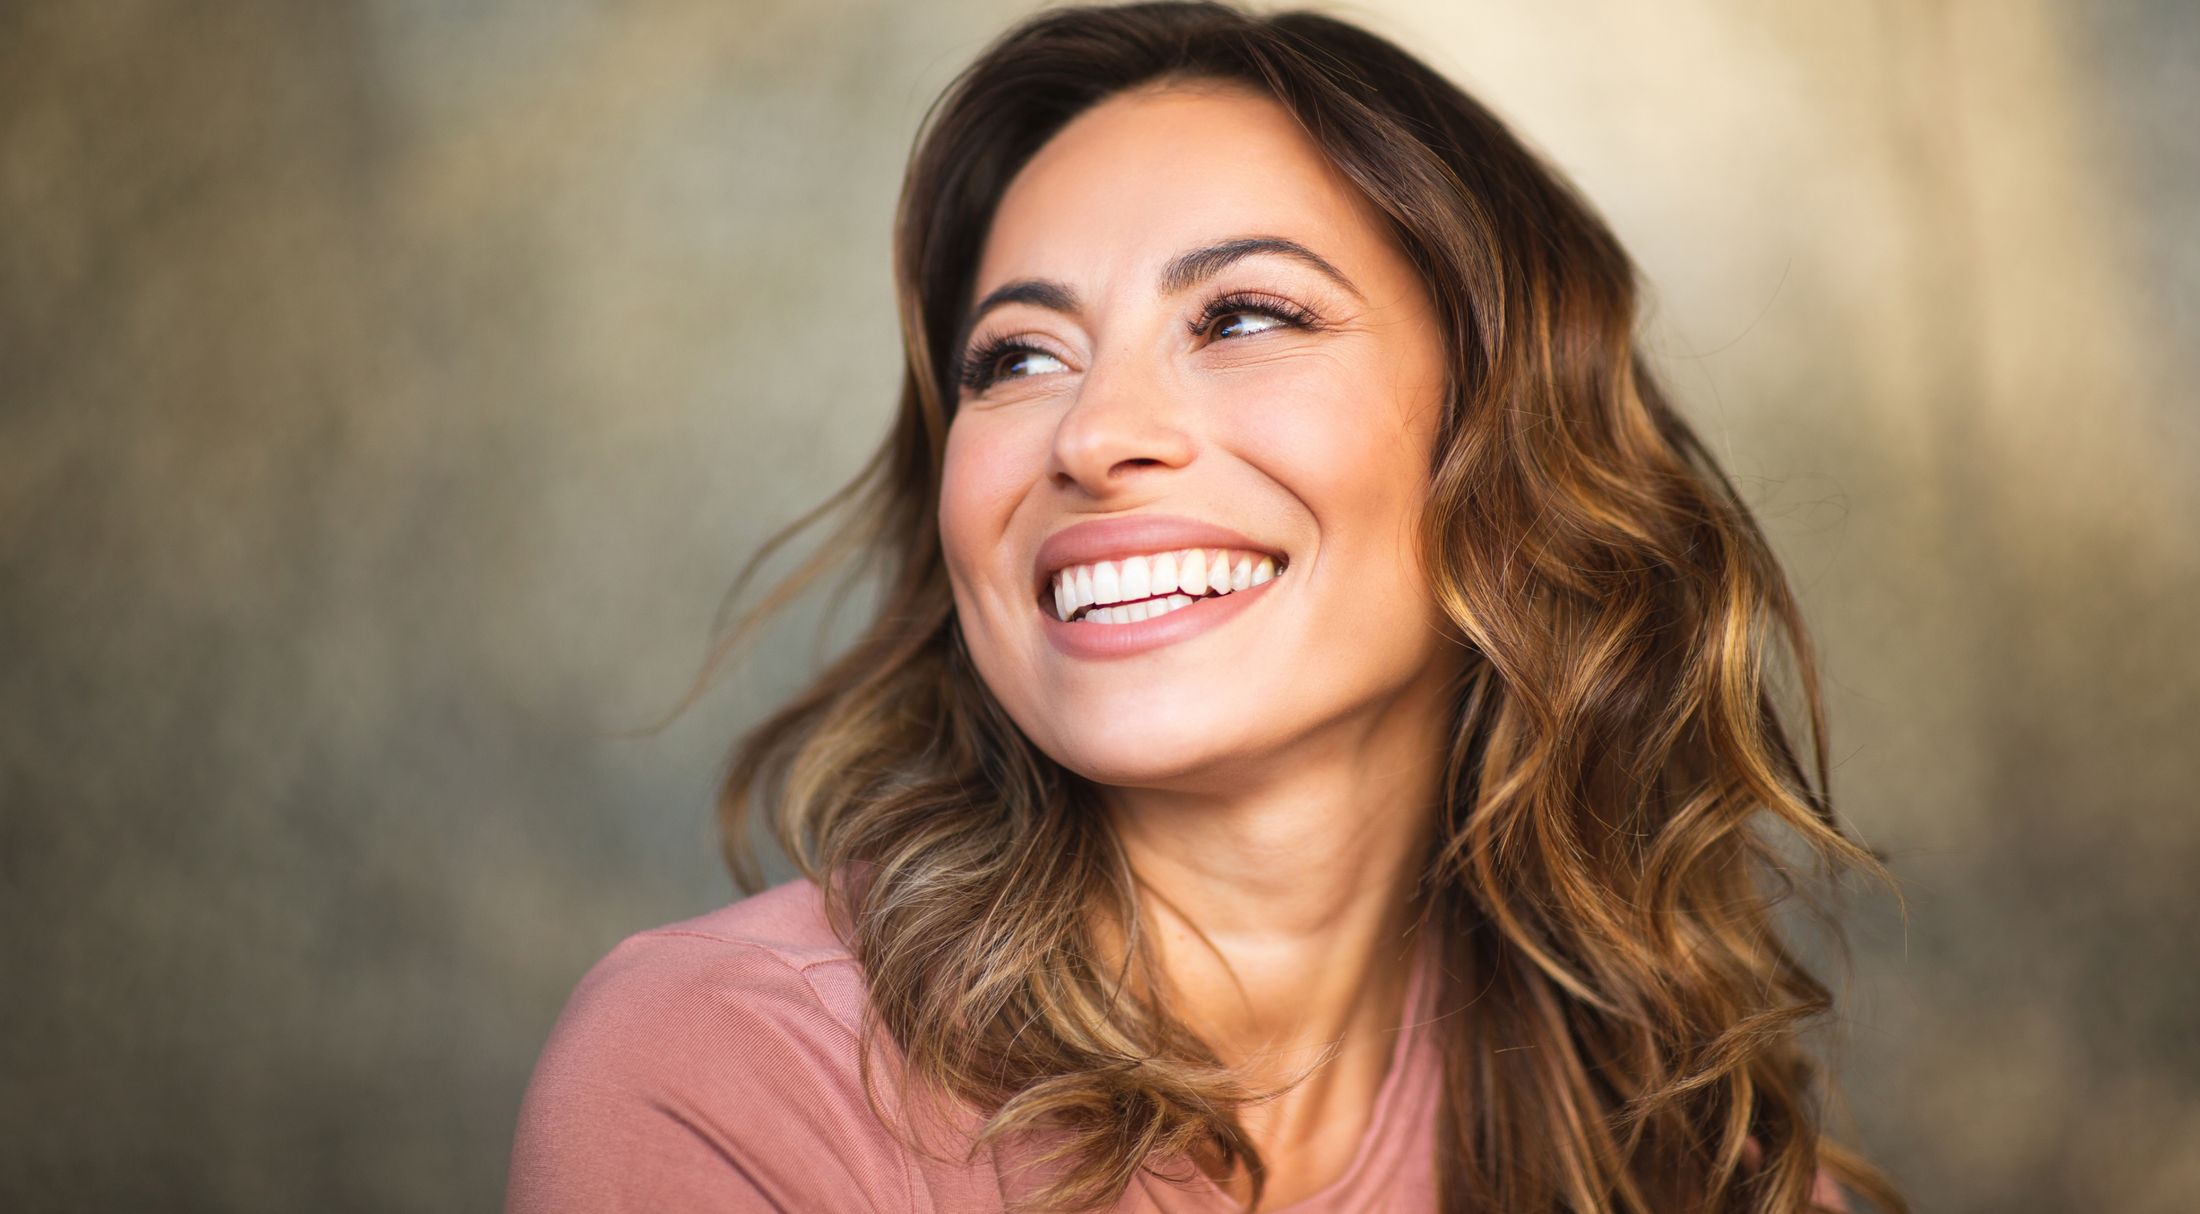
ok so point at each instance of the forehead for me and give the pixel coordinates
(1148, 173)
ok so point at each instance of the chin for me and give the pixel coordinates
(1138, 746)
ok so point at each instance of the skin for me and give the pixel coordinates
(1272, 777)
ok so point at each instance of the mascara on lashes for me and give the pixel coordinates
(976, 372)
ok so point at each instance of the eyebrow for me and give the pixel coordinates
(1184, 271)
(1188, 270)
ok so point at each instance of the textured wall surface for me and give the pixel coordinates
(388, 391)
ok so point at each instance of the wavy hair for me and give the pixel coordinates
(1622, 1019)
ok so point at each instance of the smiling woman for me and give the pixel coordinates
(1316, 741)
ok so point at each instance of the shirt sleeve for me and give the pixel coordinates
(689, 1072)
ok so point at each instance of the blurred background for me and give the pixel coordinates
(389, 391)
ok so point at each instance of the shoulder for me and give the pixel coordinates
(710, 1061)
(771, 953)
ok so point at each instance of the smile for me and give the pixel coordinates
(1137, 588)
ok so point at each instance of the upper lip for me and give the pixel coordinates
(1109, 539)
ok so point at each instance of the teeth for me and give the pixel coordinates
(1164, 574)
(1192, 579)
(1136, 581)
(1141, 587)
(1105, 587)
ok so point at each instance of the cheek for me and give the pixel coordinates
(1352, 447)
(991, 466)
(988, 469)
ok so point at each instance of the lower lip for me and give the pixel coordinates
(1079, 640)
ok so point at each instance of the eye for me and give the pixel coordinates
(1242, 315)
(1006, 358)
(1249, 320)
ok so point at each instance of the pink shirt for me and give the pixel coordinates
(712, 1065)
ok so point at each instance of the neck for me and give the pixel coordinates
(1284, 914)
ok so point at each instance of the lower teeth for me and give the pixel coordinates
(1131, 613)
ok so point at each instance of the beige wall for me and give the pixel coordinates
(389, 390)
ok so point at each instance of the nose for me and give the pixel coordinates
(1127, 424)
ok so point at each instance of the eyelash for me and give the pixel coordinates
(978, 367)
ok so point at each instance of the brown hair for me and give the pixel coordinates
(1621, 1017)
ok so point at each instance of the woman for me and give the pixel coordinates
(1313, 747)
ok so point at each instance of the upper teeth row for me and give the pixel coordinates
(1192, 571)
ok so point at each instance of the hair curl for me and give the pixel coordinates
(1624, 1017)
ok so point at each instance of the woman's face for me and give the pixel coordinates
(1200, 363)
